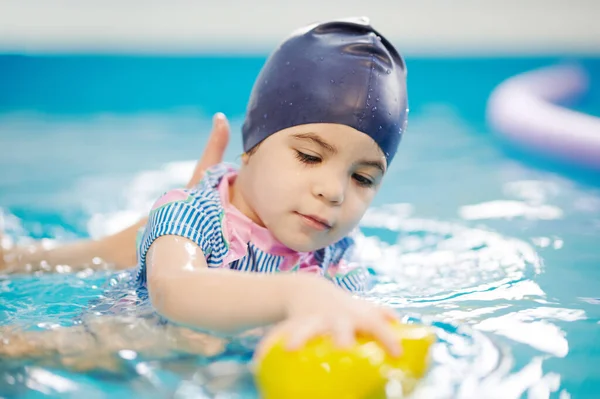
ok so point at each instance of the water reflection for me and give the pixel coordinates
(434, 260)
(477, 288)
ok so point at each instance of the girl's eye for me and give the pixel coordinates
(362, 180)
(305, 158)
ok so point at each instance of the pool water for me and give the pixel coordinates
(493, 246)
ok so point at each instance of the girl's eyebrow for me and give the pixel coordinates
(315, 138)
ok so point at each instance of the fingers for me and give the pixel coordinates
(295, 334)
(299, 334)
(215, 148)
(375, 322)
(383, 332)
(217, 142)
(390, 314)
(343, 334)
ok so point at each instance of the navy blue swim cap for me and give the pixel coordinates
(341, 72)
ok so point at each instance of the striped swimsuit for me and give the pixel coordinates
(231, 240)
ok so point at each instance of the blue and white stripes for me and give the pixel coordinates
(197, 215)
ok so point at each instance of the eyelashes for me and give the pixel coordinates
(307, 159)
(362, 180)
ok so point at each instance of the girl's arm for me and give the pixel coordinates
(184, 290)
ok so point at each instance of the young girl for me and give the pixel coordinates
(324, 121)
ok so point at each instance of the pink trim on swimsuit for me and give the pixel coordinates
(239, 230)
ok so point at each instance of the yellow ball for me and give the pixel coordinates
(320, 370)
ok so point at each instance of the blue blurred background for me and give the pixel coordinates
(103, 105)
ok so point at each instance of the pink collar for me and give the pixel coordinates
(239, 229)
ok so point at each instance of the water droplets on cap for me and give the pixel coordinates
(297, 93)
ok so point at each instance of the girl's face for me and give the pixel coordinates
(311, 184)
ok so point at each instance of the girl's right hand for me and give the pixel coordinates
(317, 307)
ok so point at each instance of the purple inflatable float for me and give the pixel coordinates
(525, 110)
